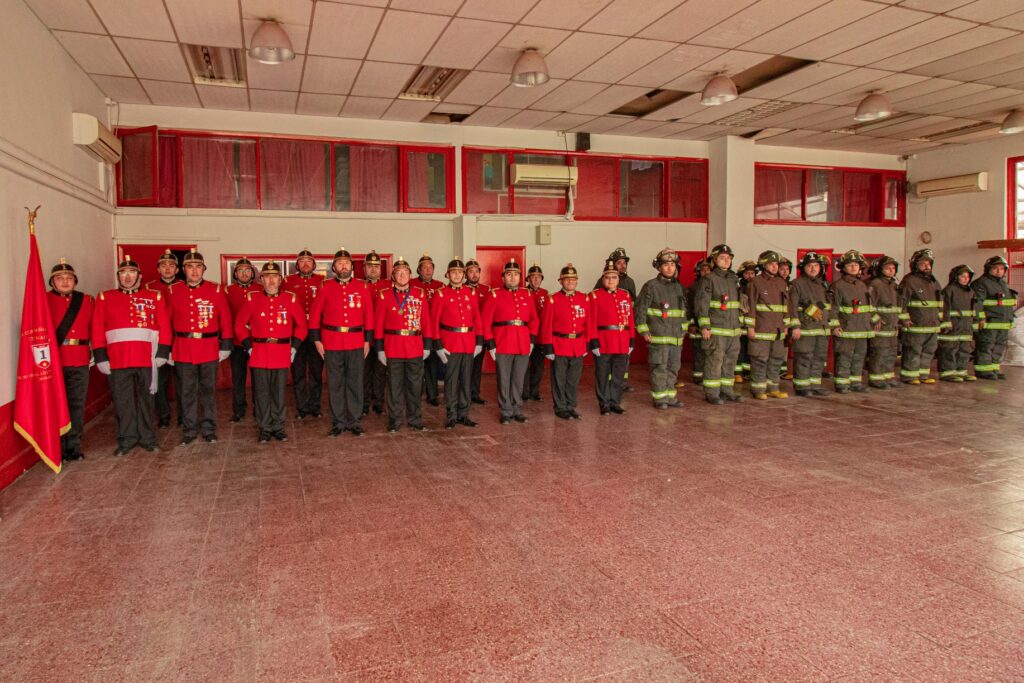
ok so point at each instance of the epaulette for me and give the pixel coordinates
(248, 295)
(157, 295)
(294, 297)
(101, 297)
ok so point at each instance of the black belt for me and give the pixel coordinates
(571, 335)
(515, 323)
(449, 328)
(74, 342)
(197, 335)
(404, 333)
(334, 328)
(272, 340)
(613, 328)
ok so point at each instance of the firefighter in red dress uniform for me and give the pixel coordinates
(307, 366)
(71, 313)
(457, 339)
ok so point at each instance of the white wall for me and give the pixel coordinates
(41, 87)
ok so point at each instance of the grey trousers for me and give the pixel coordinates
(610, 378)
(197, 385)
(511, 372)
(405, 384)
(663, 361)
(849, 358)
(720, 357)
(810, 353)
(991, 346)
(918, 350)
(307, 378)
(76, 386)
(268, 386)
(458, 376)
(882, 359)
(345, 386)
(565, 382)
(133, 406)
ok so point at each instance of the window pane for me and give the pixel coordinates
(486, 176)
(537, 199)
(365, 178)
(137, 163)
(688, 190)
(294, 174)
(778, 194)
(863, 198)
(218, 173)
(824, 196)
(1019, 194)
(428, 187)
(595, 193)
(168, 170)
(893, 193)
(641, 188)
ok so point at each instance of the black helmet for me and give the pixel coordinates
(535, 268)
(767, 257)
(666, 255)
(569, 271)
(704, 262)
(810, 257)
(882, 262)
(851, 256)
(954, 274)
(619, 253)
(168, 256)
(127, 264)
(993, 261)
(720, 249)
(193, 256)
(372, 259)
(921, 255)
(271, 268)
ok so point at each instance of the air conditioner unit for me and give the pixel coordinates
(96, 138)
(542, 174)
(972, 182)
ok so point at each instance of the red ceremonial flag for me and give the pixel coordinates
(40, 406)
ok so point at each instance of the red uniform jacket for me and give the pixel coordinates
(377, 286)
(564, 326)
(236, 296)
(611, 321)
(271, 326)
(430, 287)
(201, 320)
(130, 328)
(342, 315)
(402, 320)
(510, 321)
(158, 285)
(455, 314)
(74, 351)
(540, 300)
(305, 287)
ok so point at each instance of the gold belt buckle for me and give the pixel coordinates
(271, 340)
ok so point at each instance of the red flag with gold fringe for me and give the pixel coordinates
(40, 405)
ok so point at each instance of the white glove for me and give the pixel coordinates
(159, 362)
(382, 358)
(223, 355)
(550, 356)
(426, 353)
(531, 349)
(294, 352)
(494, 354)
(170, 361)
(597, 352)
(443, 355)
(104, 367)
(476, 350)
(630, 352)
(249, 350)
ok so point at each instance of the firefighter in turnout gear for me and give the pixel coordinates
(769, 317)
(374, 374)
(611, 336)
(244, 282)
(457, 339)
(535, 370)
(307, 366)
(809, 297)
(921, 295)
(702, 268)
(563, 334)
(71, 313)
(962, 313)
(999, 303)
(747, 271)
(888, 314)
(662, 317)
(717, 310)
(853, 307)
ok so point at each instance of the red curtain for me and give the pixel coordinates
(218, 173)
(427, 180)
(778, 193)
(640, 188)
(137, 165)
(688, 190)
(372, 175)
(595, 192)
(863, 198)
(167, 167)
(294, 174)
(486, 187)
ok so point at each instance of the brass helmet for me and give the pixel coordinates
(193, 256)
(62, 267)
(400, 262)
(609, 267)
(372, 259)
(921, 255)
(456, 264)
(511, 267)
(167, 256)
(535, 268)
(128, 264)
(343, 253)
(271, 268)
(569, 271)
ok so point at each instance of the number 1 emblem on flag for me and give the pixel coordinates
(41, 355)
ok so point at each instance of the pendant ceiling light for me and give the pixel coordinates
(1013, 123)
(719, 90)
(873, 107)
(271, 45)
(529, 70)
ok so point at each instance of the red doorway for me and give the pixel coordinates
(829, 269)
(492, 262)
(146, 255)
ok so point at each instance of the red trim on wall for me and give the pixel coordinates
(1011, 196)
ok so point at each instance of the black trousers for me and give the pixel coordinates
(565, 382)
(239, 370)
(374, 381)
(268, 388)
(458, 375)
(610, 378)
(197, 386)
(478, 375)
(133, 406)
(511, 372)
(405, 383)
(432, 369)
(534, 374)
(76, 386)
(163, 404)
(307, 378)
(345, 386)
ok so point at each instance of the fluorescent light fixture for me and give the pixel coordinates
(529, 70)
(271, 45)
(719, 90)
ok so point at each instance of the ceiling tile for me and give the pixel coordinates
(693, 18)
(527, 119)
(207, 22)
(569, 14)
(901, 41)
(602, 124)
(568, 96)
(95, 54)
(922, 88)
(609, 99)
(408, 110)
(990, 110)
(984, 11)
(220, 97)
(818, 22)
(478, 87)
(635, 127)
(276, 76)
(506, 10)
(754, 21)
(626, 17)
(565, 122)
(850, 36)
(520, 98)
(365, 107)
(1014, 21)
(156, 60)
(946, 47)
(798, 80)
(960, 90)
(380, 79)
(490, 116)
(273, 101)
(898, 128)
(829, 117)
(297, 33)
(519, 38)
(319, 105)
(783, 119)
(624, 60)
(137, 19)
(406, 36)
(857, 78)
(1010, 79)
(688, 106)
(281, 11)
(712, 114)
(886, 84)
(172, 94)
(672, 65)
(329, 75)
(465, 42)
(1009, 48)
(120, 89)
(579, 51)
(67, 15)
(937, 6)
(430, 6)
(981, 99)
(342, 30)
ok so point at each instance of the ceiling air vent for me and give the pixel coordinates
(432, 83)
(749, 116)
(215, 65)
(648, 102)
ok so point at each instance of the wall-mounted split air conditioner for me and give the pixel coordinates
(972, 182)
(96, 138)
(542, 174)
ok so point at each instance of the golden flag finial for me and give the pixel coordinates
(32, 213)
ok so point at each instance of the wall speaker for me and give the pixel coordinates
(582, 142)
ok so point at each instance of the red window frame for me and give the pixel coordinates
(885, 174)
(1011, 196)
(618, 158)
(155, 196)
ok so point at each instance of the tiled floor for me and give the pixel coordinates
(862, 537)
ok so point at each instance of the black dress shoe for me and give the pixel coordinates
(520, 418)
(149, 447)
(302, 415)
(392, 429)
(236, 418)
(264, 437)
(164, 422)
(335, 432)
(618, 410)
(280, 436)
(574, 415)
(210, 438)
(356, 431)
(418, 427)
(715, 401)
(805, 393)
(379, 410)
(315, 414)
(479, 401)
(450, 424)
(119, 452)
(74, 455)
(433, 401)
(506, 420)
(563, 414)
(186, 440)
(536, 397)
(366, 411)
(466, 421)
(627, 389)
(605, 411)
